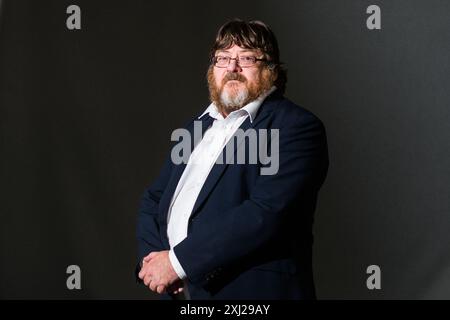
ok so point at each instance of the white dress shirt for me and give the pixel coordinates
(198, 168)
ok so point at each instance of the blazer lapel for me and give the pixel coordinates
(219, 168)
(166, 198)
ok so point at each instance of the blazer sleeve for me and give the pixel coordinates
(303, 164)
(147, 227)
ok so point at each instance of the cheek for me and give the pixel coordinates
(253, 76)
(218, 76)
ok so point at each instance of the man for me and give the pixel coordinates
(214, 228)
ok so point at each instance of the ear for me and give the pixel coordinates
(271, 72)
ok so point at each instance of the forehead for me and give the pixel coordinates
(238, 50)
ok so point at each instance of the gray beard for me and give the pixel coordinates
(234, 102)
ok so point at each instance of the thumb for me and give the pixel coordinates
(150, 256)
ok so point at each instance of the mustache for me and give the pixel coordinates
(233, 76)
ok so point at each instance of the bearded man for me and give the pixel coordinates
(210, 229)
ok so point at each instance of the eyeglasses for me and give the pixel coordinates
(243, 61)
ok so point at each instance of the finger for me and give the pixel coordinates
(178, 290)
(176, 287)
(152, 285)
(160, 289)
(147, 279)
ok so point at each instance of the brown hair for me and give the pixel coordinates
(253, 35)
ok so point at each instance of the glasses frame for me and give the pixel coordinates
(214, 62)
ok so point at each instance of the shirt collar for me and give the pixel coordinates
(251, 108)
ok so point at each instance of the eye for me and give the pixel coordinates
(246, 58)
(222, 59)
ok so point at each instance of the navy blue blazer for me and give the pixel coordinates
(249, 235)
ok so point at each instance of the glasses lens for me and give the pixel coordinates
(244, 61)
(222, 61)
(247, 61)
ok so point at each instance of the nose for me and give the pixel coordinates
(233, 66)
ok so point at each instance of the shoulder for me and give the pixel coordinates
(284, 113)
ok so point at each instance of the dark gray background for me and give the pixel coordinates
(86, 116)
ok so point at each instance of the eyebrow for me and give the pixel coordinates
(240, 51)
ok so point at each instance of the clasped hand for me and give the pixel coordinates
(158, 274)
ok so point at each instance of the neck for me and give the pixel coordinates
(224, 114)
